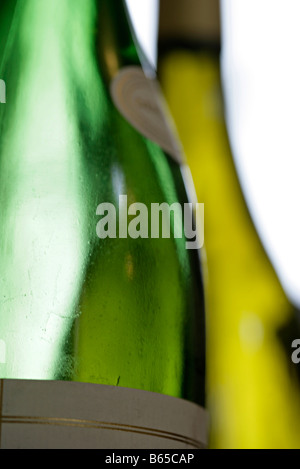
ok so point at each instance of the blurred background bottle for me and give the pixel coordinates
(253, 387)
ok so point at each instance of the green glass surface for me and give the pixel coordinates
(127, 312)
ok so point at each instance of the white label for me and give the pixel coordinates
(71, 415)
(140, 101)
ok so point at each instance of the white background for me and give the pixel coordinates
(261, 69)
(144, 15)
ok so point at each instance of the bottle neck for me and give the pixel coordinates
(57, 66)
(117, 43)
(68, 30)
(192, 24)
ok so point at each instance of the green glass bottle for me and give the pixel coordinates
(83, 126)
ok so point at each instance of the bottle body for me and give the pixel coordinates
(250, 373)
(113, 311)
(247, 305)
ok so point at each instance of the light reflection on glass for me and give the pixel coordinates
(44, 223)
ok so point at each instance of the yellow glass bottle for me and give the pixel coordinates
(253, 393)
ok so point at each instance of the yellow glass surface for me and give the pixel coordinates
(253, 389)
